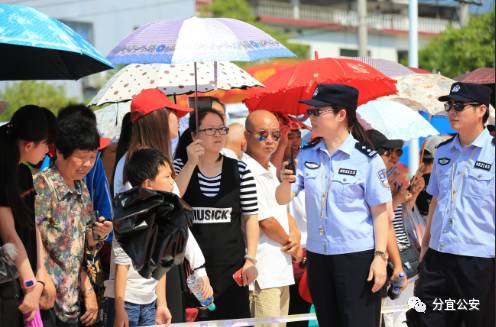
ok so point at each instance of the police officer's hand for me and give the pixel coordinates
(195, 150)
(249, 273)
(396, 272)
(287, 176)
(377, 273)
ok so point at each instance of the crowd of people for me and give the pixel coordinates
(267, 205)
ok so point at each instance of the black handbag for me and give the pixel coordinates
(152, 228)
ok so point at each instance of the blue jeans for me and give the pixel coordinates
(138, 314)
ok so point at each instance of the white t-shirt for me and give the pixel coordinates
(229, 153)
(297, 210)
(274, 266)
(140, 290)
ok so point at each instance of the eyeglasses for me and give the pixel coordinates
(214, 131)
(318, 111)
(458, 106)
(263, 135)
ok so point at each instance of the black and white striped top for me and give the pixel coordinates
(210, 186)
(399, 228)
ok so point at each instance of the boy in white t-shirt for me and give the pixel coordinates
(132, 300)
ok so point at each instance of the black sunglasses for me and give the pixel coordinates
(318, 111)
(458, 106)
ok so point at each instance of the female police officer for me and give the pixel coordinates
(346, 191)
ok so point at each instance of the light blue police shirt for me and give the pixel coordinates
(340, 189)
(462, 179)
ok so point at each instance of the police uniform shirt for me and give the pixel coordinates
(340, 189)
(462, 179)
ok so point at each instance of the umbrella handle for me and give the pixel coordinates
(196, 98)
(424, 142)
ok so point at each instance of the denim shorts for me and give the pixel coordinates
(138, 314)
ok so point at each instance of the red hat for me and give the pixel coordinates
(104, 142)
(150, 100)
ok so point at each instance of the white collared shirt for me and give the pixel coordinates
(274, 266)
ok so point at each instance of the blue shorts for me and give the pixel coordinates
(138, 314)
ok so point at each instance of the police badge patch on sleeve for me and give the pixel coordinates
(383, 178)
(443, 161)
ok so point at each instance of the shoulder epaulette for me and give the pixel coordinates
(365, 149)
(445, 142)
(312, 143)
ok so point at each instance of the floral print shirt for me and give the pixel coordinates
(63, 214)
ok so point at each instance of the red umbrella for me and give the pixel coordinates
(419, 70)
(286, 88)
(478, 76)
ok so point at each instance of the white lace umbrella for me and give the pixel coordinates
(394, 120)
(424, 89)
(173, 79)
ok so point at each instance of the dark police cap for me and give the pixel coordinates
(468, 92)
(335, 95)
(380, 141)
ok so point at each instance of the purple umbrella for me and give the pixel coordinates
(387, 67)
(197, 39)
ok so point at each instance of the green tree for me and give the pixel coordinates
(33, 92)
(460, 50)
(239, 9)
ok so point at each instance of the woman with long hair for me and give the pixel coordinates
(24, 142)
(222, 192)
(154, 123)
(346, 192)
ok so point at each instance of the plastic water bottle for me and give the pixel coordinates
(195, 286)
(394, 290)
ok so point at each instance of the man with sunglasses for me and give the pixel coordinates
(458, 267)
(279, 235)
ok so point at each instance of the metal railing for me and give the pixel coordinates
(329, 15)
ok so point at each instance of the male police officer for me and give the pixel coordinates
(457, 272)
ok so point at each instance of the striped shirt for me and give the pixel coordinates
(399, 228)
(210, 186)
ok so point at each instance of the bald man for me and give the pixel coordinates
(279, 236)
(236, 141)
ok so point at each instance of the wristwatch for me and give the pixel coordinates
(381, 254)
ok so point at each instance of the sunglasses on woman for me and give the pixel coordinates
(263, 135)
(458, 106)
(318, 111)
(214, 131)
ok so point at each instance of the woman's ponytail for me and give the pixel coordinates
(356, 129)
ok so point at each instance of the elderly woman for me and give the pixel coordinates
(67, 223)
